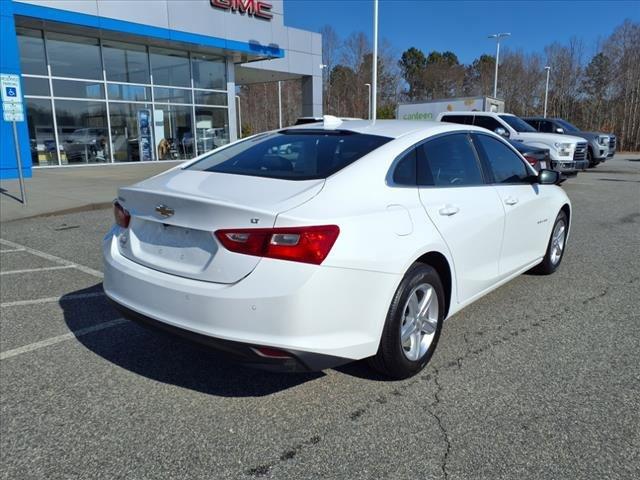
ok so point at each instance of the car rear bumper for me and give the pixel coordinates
(299, 308)
(240, 352)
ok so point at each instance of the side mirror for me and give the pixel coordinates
(549, 177)
(560, 130)
(502, 132)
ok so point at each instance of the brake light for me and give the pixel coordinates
(121, 215)
(297, 244)
(269, 352)
(532, 161)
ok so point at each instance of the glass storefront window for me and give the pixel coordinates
(126, 62)
(210, 98)
(73, 56)
(133, 93)
(73, 89)
(185, 113)
(209, 72)
(41, 133)
(170, 67)
(172, 95)
(131, 132)
(82, 131)
(36, 86)
(212, 128)
(32, 57)
(173, 132)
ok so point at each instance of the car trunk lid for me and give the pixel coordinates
(174, 217)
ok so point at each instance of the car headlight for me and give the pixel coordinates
(564, 149)
(603, 140)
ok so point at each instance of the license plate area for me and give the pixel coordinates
(172, 248)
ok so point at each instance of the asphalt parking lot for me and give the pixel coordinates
(539, 379)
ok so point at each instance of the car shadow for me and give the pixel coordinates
(165, 358)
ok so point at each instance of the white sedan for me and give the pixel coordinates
(317, 245)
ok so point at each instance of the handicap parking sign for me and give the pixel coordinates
(10, 84)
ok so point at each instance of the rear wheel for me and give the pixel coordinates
(556, 246)
(413, 324)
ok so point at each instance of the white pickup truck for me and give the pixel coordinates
(568, 153)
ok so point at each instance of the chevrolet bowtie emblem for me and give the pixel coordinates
(164, 211)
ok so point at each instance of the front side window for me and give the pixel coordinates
(517, 123)
(291, 154)
(489, 123)
(448, 161)
(568, 127)
(546, 126)
(505, 165)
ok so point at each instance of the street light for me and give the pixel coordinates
(546, 91)
(368, 85)
(497, 36)
(374, 77)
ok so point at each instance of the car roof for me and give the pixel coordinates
(389, 128)
(476, 112)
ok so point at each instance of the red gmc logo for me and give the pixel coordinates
(250, 7)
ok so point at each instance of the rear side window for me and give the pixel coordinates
(461, 119)
(505, 165)
(405, 171)
(489, 123)
(448, 161)
(291, 154)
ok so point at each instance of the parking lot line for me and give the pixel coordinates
(11, 250)
(52, 258)
(41, 269)
(35, 301)
(60, 338)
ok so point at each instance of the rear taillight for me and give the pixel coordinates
(121, 215)
(532, 161)
(297, 244)
(269, 352)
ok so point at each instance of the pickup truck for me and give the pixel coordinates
(600, 145)
(568, 153)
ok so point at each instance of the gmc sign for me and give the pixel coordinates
(255, 8)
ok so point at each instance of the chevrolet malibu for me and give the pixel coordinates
(320, 244)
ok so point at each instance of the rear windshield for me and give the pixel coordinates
(291, 154)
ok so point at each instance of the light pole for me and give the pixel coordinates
(239, 117)
(368, 85)
(279, 104)
(374, 77)
(497, 36)
(546, 91)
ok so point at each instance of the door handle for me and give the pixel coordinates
(510, 200)
(448, 210)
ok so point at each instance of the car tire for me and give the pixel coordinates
(592, 162)
(419, 291)
(556, 246)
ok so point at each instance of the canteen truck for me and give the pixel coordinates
(430, 110)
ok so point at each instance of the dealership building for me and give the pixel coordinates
(116, 81)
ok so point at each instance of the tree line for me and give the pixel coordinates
(599, 92)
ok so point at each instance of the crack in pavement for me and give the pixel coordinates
(356, 415)
(436, 416)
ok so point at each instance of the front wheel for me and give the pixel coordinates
(413, 324)
(556, 246)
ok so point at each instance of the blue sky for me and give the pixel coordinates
(463, 26)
